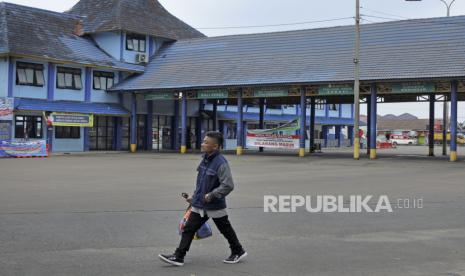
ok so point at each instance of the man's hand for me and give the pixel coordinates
(208, 198)
(189, 200)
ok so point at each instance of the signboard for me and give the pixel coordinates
(413, 87)
(159, 96)
(212, 94)
(345, 89)
(6, 109)
(23, 149)
(270, 93)
(71, 119)
(5, 131)
(278, 138)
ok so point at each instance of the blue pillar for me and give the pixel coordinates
(431, 125)
(261, 119)
(324, 130)
(350, 133)
(88, 85)
(51, 82)
(239, 132)
(199, 126)
(303, 120)
(312, 124)
(11, 80)
(150, 46)
(149, 126)
(215, 115)
(118, 133)
(373, 115)
(368, 133)
(133, 135)
(244, 136)
(338, 135)
(453, 122)
(121, 46)
(183, 123)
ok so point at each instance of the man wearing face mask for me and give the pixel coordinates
(214, 183)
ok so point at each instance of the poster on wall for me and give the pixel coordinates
(37, 148)
(70, 119)
(282, 137)
(6, 109)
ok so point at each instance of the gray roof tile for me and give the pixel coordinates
(40, 33)
(407, 49)
(147, 17)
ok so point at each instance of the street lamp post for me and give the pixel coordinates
(357, 83)
(446, 105)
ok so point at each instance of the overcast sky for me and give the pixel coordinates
(214, 17)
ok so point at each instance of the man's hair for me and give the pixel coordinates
(218, 136)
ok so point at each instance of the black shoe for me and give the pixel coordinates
(172, 259)
(235, 257)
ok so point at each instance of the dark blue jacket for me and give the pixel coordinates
(214, 178)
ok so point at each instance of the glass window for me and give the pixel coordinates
(31, 74)
(69, 78)
(135, 42)
(65, 132)
(103, 80)
(28, 127)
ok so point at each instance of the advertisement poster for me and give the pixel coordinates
(23, 149)
(282, 137)
(6, 109)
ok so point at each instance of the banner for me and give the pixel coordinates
(279, 138)
(70, 119)
(36, 148)
(6, 109)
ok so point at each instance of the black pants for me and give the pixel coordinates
(194, 223)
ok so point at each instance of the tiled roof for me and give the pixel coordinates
(31, 32)
(407, 49)
(147, 17)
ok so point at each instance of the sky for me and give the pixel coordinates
(226, 17)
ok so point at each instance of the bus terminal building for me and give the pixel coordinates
(128, 69)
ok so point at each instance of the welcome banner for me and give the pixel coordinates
(23, 149)
(278, 138)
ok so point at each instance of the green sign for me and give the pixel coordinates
(213, 94)
(413, 87)
(336, 90)
(159, 96)
(270, 93)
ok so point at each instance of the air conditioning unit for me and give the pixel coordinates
(142, 58)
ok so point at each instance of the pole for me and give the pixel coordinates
(357, 82)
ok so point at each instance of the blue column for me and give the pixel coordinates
(368, 133)
(149, 126)
(199, 126)
(303, 120)
(338, 135)
(312, 124)
(431, 125)
(215, 115)
(239, 132)
(373, 115)
(51, 82)
(118, 133)
(133, 123)
(244, 136)
(121, 46)
(324, 130)
(453, 122)
(350, 133)
(88, 85)
(261, 119)
(183, 123)
(11, 80)
(150, 46)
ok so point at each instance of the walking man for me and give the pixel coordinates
(214, 183)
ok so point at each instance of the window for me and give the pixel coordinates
(66, 132)
(29, 74)
(103, 80)
(69, 78)
(135, 42)
(333, 107)
(28, 127)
